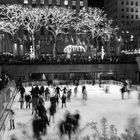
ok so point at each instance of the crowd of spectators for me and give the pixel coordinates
(4, 79)
(64, 59)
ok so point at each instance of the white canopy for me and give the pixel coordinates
(74, 48)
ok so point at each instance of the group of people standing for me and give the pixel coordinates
(43, 116)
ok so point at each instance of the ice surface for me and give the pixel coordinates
(98, 105)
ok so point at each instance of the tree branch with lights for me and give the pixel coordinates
(32, 21)
(58, 23)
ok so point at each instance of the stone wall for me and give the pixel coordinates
(129, 70)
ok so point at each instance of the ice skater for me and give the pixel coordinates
(52, 111)
(12, 120)
(75, 90)
(22, 94)
(47, 94)
(63, 100)
(28, 100)
(57, 90)
(69, 95)
(139, 98)
(122, 92)
(84, 93)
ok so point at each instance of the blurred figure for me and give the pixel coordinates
(139, 98)
(47, 94)
(64, 90)
(52, 111)
(63, 100)
(75, 91)
(28, 100)
(40, 99)
(57, 89)
(69, 95)
(22, 92)
(84, 93)
(70, 124)
(107, 89)
(122, 92)
(11, 117)
(41, 90)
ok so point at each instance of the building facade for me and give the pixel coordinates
(74, 4)
(124, 13)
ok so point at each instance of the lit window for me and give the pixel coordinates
(33, 1)
(66, 2)
(57, 2)
(74, 2)
(81, 3)
(50, 2)
(25, 1)
(41, 1)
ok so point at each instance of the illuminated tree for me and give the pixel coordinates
(94, 23)
(10, 19)
(32, 21)
(59, 23)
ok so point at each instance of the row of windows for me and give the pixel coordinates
(126, 22)
(130, 16)
(130, 10)
(130, 3)
(134, 29)
(58, 2)
(112, 12)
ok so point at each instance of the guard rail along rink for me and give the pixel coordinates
(7, 96)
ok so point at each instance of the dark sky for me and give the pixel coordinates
(96, 3)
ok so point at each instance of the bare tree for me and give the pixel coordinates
(59, 23)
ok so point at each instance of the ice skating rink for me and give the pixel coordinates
(98, 105)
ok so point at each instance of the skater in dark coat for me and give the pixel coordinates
(58, 89)
(28, 100)
(122, 92)
(70, 124)
(63, 100)
(47, 94)
(22, 93)
(41, 110)
(41, 90)
(52, 111)
(64, 90)
(36, 90)
(39, 126)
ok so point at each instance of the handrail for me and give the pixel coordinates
(4, 114)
